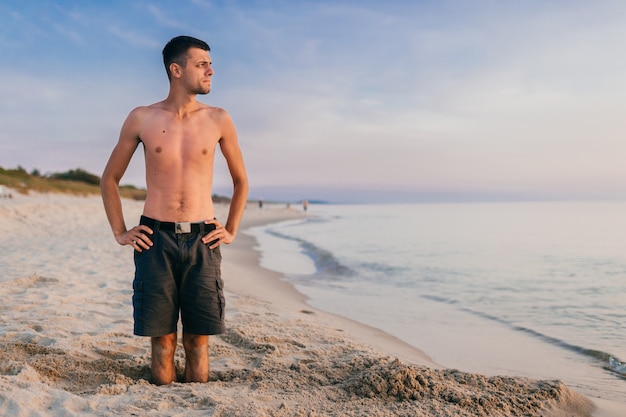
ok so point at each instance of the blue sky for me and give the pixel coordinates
(338, 100)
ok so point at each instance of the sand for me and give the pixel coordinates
(67, 349)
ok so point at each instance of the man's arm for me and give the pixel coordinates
(229, 145)
(109, 185)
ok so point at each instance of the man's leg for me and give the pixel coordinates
(163, 350)
(197, 357)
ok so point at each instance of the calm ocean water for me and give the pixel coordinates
(530, 289)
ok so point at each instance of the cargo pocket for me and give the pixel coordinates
(219, 284)
(137, 299)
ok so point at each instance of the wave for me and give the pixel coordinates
(607, 360)
(333, 271)
(617, 366)
(326, 265)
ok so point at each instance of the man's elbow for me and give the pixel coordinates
(108, 182)
(240, 184)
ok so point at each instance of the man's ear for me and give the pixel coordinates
(176, 70)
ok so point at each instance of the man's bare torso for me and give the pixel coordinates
(179, 153)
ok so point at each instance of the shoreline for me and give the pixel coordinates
(363, 333)
(66, 344)
(272, 287)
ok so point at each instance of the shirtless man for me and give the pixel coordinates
(176, 244)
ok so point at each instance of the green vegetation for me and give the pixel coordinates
(75, 181)
(77, 175)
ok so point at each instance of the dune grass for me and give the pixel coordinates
(23, 182)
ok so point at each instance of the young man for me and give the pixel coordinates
(176, 244)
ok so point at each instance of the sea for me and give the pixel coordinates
(531, 289)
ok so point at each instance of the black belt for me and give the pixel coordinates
(177, 227)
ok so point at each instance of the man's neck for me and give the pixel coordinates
(181, 104)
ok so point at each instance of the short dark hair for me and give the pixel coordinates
(175, 51)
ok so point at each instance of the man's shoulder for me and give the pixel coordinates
(140, 117)
(215, 113)
(210, 109)
(154, 107)
(147, 109)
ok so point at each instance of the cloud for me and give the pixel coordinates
(134, 37)
(164, 19)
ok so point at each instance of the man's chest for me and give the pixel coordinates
(181, 140)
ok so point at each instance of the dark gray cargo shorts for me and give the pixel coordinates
(178, 275)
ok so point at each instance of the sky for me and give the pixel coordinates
(338, 100)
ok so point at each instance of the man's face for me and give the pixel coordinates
(198, 71)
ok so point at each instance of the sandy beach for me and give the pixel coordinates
(67, 349)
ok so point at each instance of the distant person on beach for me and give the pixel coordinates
(177, 242)
(305, 205)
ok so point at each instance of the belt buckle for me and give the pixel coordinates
(183, 227)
